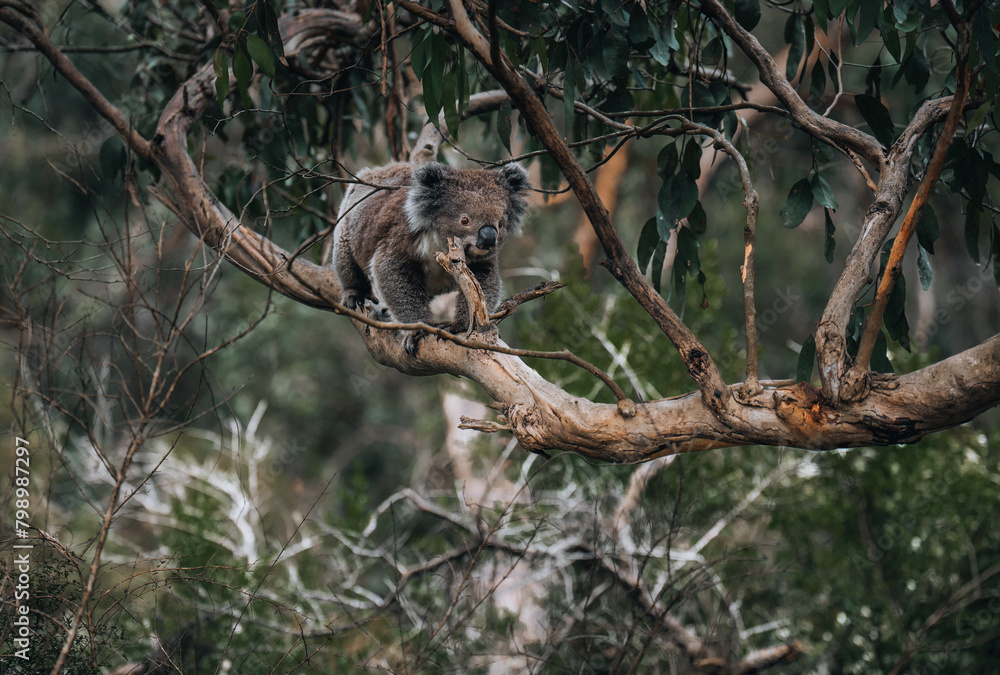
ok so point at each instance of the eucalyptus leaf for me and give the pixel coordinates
(747, 13)
(243, 70)
(797, 205)
(220, 63)
(807, 357)
(877, 117)
(261, 54)
(822, 192)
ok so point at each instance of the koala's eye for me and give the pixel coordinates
(465, 221)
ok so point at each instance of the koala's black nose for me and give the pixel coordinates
(487, 237)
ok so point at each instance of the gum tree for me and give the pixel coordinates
(580, 81)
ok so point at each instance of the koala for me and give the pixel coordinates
(386, 240)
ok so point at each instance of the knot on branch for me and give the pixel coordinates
(857, 384)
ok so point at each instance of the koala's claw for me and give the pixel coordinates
(352, 299)
(412, 341)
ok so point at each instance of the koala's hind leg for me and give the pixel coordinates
(403, 293)
(354, 284)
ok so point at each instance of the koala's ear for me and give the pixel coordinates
(423, 202)
(515, 178)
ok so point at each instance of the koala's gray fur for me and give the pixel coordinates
(386, 240)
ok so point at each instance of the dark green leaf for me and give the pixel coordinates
(747, 13)
(916, 69)
(272, 32)
(817, 85)
(822, 192)
(880, 362)
(832, 68)
(419, 52)
(807, 356)
(980, 115)
(450, 102)
(868, 19)
(822, 11)
(822, 152)
(891, 39)
(113, 157)
(697, 220)
(639, 32)
(837, 7)
(687, 251)
(797, 205)
(924, 267)
(877, 118)
(569, 94)
(829, 243)
(649, 238)
(873, 79)
(691, 161)
(656, 265)
(261, 54)
(666, 161)
(243, 70)
(666, 43)
(795, 37)
(895, 314)
(220, 63)
(901, 8)
(712, 54)
(982, 30)
(927, 228)
(677, 198)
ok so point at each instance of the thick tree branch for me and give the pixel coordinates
(542, 416)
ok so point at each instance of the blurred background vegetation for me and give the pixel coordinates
(293, 506)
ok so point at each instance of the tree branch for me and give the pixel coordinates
(857, 384)
(542, 416)
(829, 131)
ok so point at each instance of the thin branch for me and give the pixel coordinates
(822, 128)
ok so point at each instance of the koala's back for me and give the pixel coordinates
(368, 216)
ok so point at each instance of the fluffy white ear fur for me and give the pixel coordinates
(516, 178)
(421, 202)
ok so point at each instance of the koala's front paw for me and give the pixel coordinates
(411, 342)
(352, 299)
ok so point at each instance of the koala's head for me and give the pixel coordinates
(478, 207)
